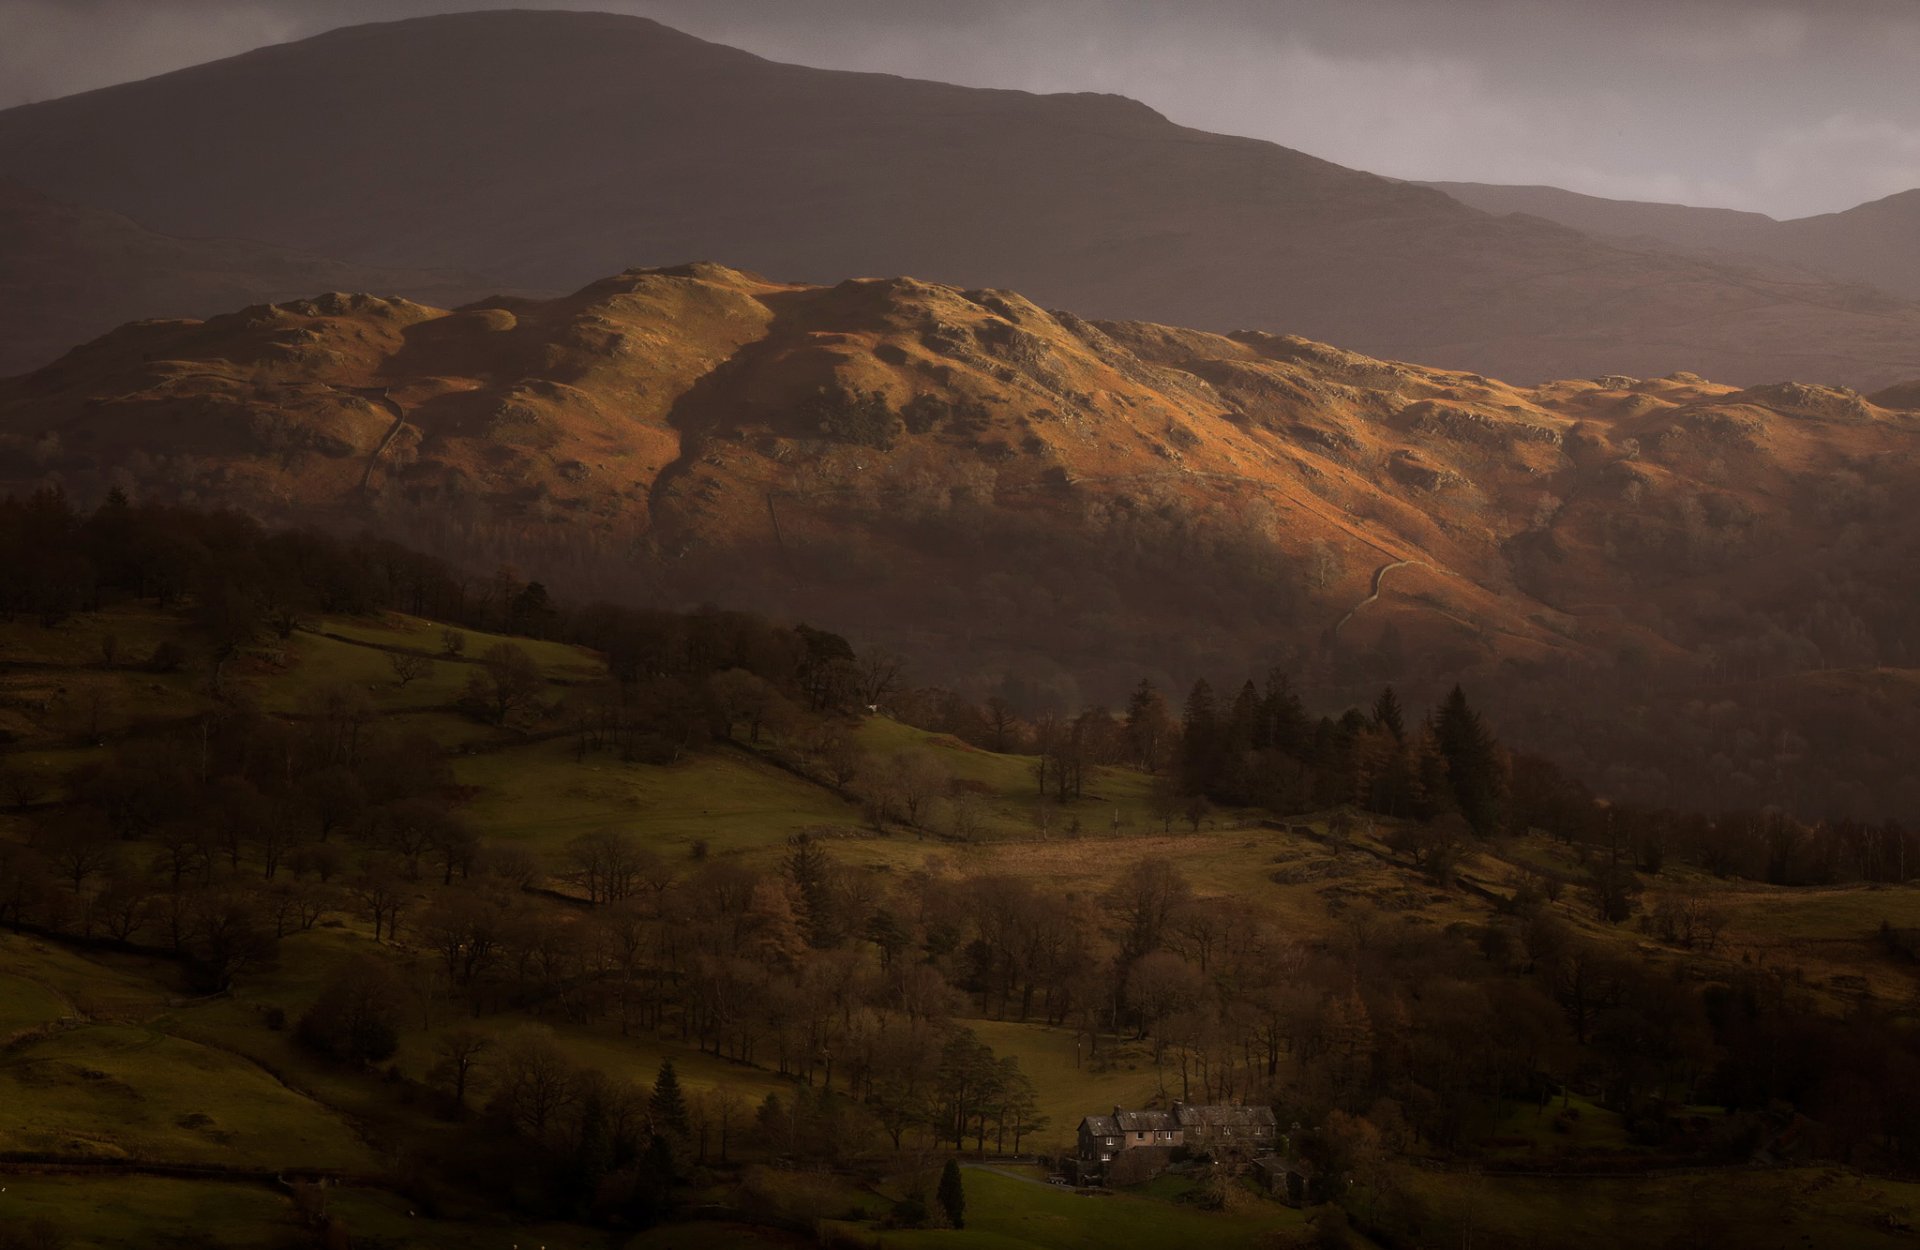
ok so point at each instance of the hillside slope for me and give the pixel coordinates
(1014, 494)
(1877, 244)
(546, 149)
(69, 274)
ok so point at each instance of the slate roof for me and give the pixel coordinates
(1224, 1116)
(1101, 1126)
(1145, 1121)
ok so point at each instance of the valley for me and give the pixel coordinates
(107, 1023)
(628, 634)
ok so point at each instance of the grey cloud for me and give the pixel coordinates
(1787, 107)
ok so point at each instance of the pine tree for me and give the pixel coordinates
(1473, 762)
(953, 1195)
(1285, 726)
(1433, 791)
(1387, 715)
(1199, 740)
(1243, 721)
(1148, 726)
(668, 1106)
(810, 870)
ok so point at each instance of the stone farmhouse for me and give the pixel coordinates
(1133, 1145)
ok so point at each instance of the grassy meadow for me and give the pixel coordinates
(103, 1058)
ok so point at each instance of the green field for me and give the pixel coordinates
(26, 1005)
(542, 796)
(1766, 1210)
(1113, 800)
(135, 1212)
(116, 1091)
(105, 1057)
(141, 1212)
(1013, 1209)
(1122, 1075)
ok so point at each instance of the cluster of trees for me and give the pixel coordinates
(243, 583)
(1447, 772)
(215, 835)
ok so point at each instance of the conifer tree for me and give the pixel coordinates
(1149, 726)
(1284, 720)
(1473, 762)
(811, 872)
(668, 1106)
(1243, 722)
(1387, 715)
(1433, 790)
(953, 1195)
(1199, 739)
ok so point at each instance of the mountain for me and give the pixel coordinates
(1668, 582)
(68, 274)
(544, 149)
(1877, 244)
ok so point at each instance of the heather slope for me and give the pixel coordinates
(1027, 499)
(546, 149)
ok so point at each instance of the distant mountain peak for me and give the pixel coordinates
(544, 150)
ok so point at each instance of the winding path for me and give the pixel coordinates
(1379, 580)
(377, 396)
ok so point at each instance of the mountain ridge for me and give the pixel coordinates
(540, 150)
(1873, 244)
(1061, 502)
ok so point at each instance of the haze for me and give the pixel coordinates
(1783, 108)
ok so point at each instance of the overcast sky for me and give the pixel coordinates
(1784, 106)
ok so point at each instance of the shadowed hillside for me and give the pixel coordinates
(1873, 243)
(68, 274)
(546, 149)
(1677, 569)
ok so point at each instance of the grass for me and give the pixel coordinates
(636, 1058)
(1011, 1213)
(1066, 1091)
(1770, 1210)
(377, 1218)
(560, 661)
(1590, 1129)
(1113, 800)
(138, 1212)
(315, 662)
(129, 1212)
(542, 796)
(137, 1074)
(1836, 914)
(110, 987)
(118, 1091)
(26, 1005)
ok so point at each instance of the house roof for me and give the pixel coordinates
(1100, 1126)
(1144, 1121)
(1224, 1116)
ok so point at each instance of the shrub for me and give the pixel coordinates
(860, 417)
(356, 1019)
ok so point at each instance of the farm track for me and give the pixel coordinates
(1379, 582)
